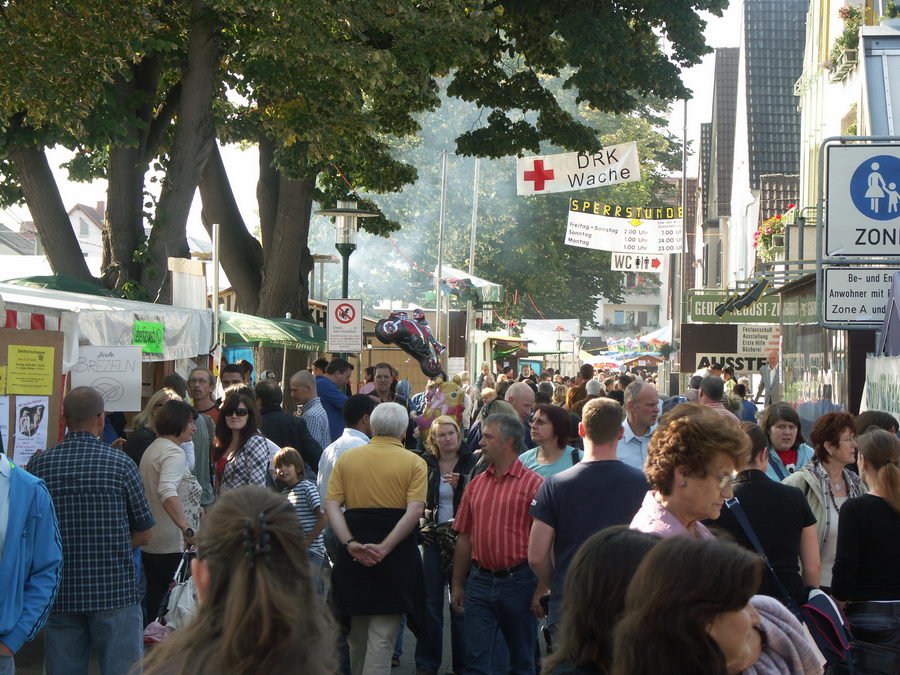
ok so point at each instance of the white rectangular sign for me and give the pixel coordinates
(636, 262)
(115, 372)
(569, 171)
(629, 229)
(862, 200)
(856, 295)
(758, 338)
(345, 326)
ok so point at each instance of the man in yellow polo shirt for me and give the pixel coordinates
(382, 486)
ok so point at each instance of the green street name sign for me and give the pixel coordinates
(700, 307)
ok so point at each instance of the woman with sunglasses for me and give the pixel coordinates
(241, 452)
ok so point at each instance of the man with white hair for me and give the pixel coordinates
(382, 486)
(521, 397)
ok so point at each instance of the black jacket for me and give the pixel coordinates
(287, 431)
(464, 465)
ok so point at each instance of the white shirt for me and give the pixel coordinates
(6, 468)
(632, 449)
(351, 438)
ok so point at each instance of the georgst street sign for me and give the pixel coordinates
(701, 308)
(856, 295)
(862, 204)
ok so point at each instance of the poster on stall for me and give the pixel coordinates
(29, 370)
(115, 372)
(4, 422)
(31, 427)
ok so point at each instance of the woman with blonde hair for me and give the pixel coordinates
(449, 464)
(257, 611)
(559, 395)
(144, 431)
(868, 548)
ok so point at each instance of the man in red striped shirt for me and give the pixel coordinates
(501, 594)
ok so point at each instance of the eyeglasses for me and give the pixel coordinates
(239, 412)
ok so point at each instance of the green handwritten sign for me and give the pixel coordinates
(149, 335)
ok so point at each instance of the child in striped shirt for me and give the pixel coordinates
(304, 497)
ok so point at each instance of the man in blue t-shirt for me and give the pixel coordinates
(599, 492)
(330, 388)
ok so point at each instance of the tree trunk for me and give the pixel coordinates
(190, 149)
(284, 287)
(240, 253)
(50, 217)
(128, 165)
(125, 215)
(267, 192)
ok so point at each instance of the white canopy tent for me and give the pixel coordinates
(100, 321)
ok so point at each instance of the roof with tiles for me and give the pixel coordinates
(777, 192)
(723, 121)
(774, 38)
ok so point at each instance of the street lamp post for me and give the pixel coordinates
(346, 215)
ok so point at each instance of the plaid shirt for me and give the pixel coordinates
(99, 500)
(249, 465)
(313, 413)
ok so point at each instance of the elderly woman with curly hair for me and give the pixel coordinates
(827, 483)
(690, 464)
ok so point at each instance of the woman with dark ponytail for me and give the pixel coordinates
(257, 611)
(867, 562)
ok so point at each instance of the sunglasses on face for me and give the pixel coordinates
(239, 412)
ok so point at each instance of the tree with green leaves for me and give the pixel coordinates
(320, 87)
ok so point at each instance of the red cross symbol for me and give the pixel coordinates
(539, 175)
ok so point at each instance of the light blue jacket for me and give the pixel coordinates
(32, 560)
(777, 470)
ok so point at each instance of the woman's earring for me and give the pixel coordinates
(683, 483)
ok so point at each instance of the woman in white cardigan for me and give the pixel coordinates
(174, 497)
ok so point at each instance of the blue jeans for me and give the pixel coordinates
(429, 652)
(317, 573)
(881, 628)
(498, 606)
(116, 635)
(7, 665)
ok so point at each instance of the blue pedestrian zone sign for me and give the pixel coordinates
(862, 200)
(875, 187)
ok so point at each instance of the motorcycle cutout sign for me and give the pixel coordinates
(413, 335)
(345, 326)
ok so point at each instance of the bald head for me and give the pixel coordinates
(83, 408)
(521, 397)
(303, 387)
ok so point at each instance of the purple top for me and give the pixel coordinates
(654, 518)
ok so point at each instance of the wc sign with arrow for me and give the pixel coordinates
(636, 262)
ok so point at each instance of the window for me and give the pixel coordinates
(641, 319)
(629, 318)
(619, 317)
(85, 227)
(630, 280)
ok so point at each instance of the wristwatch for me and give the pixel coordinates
(189, 533)
(348, 542)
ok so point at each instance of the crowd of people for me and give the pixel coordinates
(635, 533)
